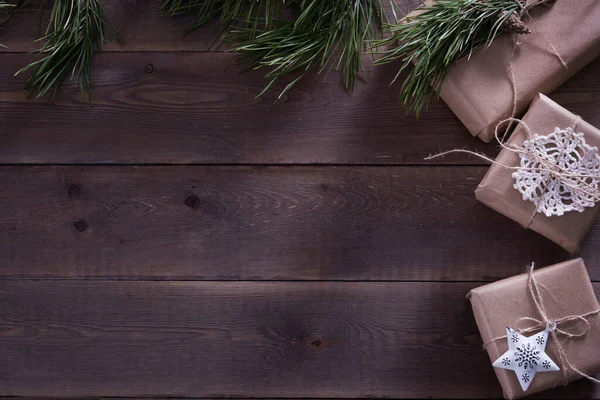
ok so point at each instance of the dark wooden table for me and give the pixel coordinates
(176, 237)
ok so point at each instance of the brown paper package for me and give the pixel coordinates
(502, 303)
(479, 90)
(496, 189)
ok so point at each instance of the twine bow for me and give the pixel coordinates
(569, 327)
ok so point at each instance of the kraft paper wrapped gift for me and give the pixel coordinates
(566, 291)
(496, 190)
(479, 89)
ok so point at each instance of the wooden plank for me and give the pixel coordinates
(141, 26)
(300, 339)
(193, 108)
(250, 223)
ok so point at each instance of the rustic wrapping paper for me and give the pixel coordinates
(496, 189)
(479, 90)
(502, 303)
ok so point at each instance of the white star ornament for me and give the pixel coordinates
(526, 356)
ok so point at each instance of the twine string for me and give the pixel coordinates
(525, 7)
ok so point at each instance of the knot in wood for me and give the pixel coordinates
(81, 225)
(192, 201)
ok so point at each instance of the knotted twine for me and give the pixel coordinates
(558, 327)
(514, 23)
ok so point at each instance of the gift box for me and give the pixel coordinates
(479, 90)
(565, 292)
(497, 190)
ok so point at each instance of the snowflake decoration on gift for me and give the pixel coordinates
(539, 340)
(568, 151)
(526, 356)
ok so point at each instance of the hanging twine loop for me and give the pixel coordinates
(514, 23)
(561, 329)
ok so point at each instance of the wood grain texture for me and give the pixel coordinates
(249, 223)
(141, 26)
(211, 339)
(194, 108)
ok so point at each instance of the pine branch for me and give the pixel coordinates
(445, 32)
(326, 35)
(250, 11)
(76, 31)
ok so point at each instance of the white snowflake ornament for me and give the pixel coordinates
(526, 356)
(568, 151)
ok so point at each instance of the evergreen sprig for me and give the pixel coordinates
(443, 33)
(76, 31)
(326, 35)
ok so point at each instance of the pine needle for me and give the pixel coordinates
(445, 31)
(5, 7)
(326, 35)
(76, 31)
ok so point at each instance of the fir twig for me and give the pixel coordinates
(76, 31)
(326, 35)
(445, 31)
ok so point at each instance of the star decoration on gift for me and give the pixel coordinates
(526, 356)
